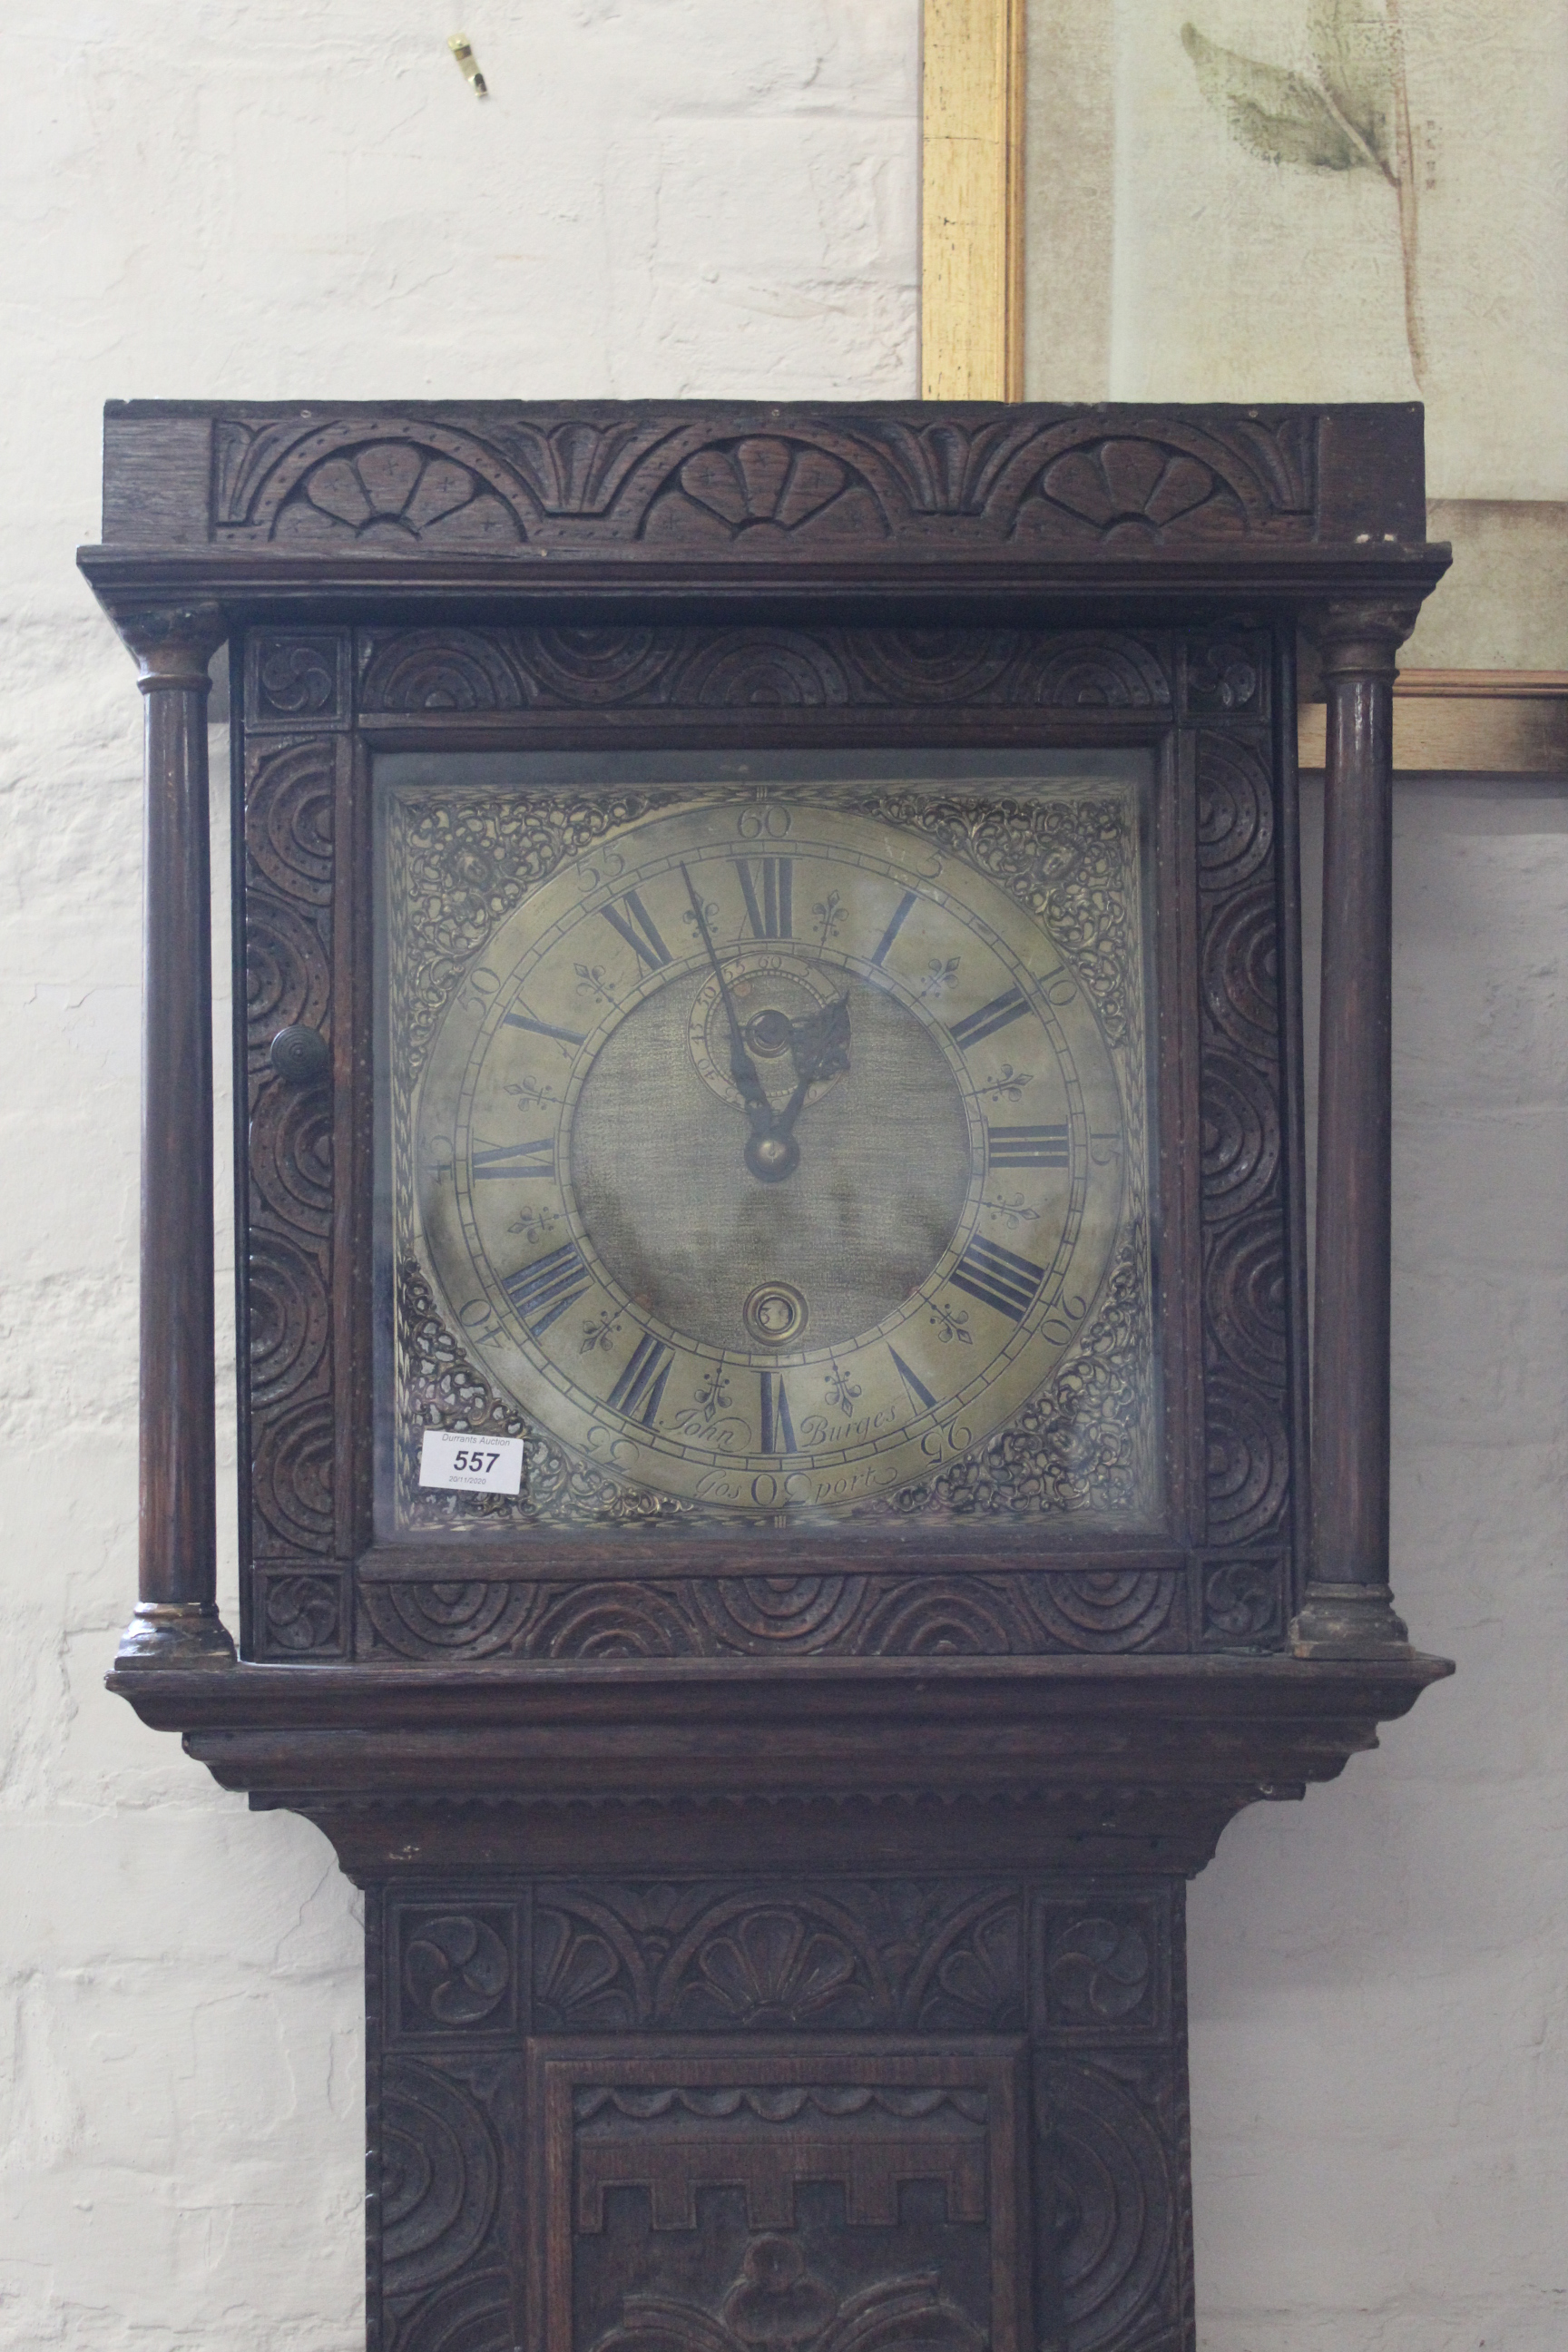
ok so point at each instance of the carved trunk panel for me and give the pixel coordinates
(714, 2116)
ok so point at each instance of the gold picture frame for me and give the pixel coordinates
(971, 200)
(1454, 721)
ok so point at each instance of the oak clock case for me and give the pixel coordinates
(769, 949)
(771, 1155)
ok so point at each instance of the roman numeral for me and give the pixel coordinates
(1027, 1147)
(642, 1383)
(998, 1277)
(543, 1028)
(913, 1382)
(899, 912)
(778, 1430)
(772, 915)
(989, 1019)
(515, 1159)
(544, 1290)
(637, 928)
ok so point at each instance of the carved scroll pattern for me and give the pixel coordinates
(1113, 2202)
(442, 2282)
(686, 483)
(646, 1616)
(1113, 2161)
(1245, 1240)
(468, 670)
(289, 859)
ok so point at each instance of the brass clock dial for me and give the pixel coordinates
(770, 1157)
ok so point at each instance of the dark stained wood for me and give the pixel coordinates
(1186, 1742)
(1348, 1604)
(746, 477)
(1224, 1575)
(177, 1621)
(810, 1974)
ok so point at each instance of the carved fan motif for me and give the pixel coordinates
(760, 489)
(392, 494)
(1128, 493)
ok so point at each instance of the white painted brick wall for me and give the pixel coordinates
(668, 197)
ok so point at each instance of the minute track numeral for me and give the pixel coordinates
(770, 899)
(544, 1291)
(638, 929)
(778, 1430)
(989, 1018)
(515, 1159)
(639, 1391)
(1026, 1147)
(998, 1277)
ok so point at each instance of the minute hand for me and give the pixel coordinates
(742, 1069)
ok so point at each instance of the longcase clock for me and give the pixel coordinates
(780, 1510)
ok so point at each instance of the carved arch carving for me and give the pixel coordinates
(751, 481)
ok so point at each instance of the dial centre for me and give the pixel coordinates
(853, 1207)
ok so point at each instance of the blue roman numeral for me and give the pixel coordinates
(913, 1382)
(641, 1384)
(544, 1028)
(989, 1019)
(778, 1430)
(515, 1159)
(770, 915)
(637, 928)
(899, 914)
(1026, 1147)
(544, 1290)
(998, 1277)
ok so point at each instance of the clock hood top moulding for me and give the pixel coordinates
(963, 506)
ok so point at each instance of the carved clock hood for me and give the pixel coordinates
(775, 1868)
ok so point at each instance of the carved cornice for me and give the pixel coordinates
(598, 501)
(1126, 1749)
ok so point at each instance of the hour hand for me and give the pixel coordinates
(820, 1044)
(820, 1047)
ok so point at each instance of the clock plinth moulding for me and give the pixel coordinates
(768, 1944)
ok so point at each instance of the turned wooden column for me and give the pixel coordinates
(176, 1621)
(1348, 1609)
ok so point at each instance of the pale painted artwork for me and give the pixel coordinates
(1309, 200)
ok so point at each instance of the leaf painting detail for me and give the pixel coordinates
(1275, 113)
(1353, 50)
(1354, 117)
